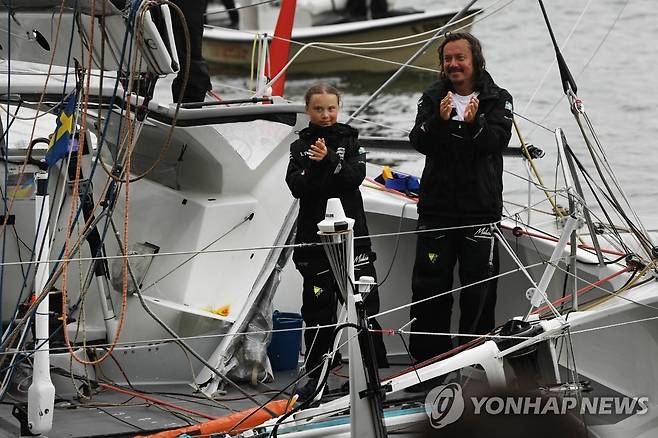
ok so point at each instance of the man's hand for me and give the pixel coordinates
(471, 110)
(318, 150)
(445, 107)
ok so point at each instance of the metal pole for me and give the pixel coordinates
(572, 180)
(41, 394)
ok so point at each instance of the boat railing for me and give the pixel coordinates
(30, 97)
(403, 144)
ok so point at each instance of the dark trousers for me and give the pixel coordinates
(357, 8)
(319, 303)
(233, 14)
(198, 82)
(436, 255)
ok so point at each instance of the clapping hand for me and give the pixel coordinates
(318, 150)
(445, 107)
(471, 110)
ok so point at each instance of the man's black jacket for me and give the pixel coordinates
(462, 181)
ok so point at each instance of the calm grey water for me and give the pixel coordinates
(610, 48)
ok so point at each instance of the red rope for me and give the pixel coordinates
(555, 239)
(434, 359)
(583, 290)
(211, 93)
(157, 401)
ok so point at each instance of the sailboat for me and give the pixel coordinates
(146, 258)
(326, 41)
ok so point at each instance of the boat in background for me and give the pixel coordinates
(325, 41)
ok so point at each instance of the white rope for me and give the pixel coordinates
(233, 87)
(167, 254)
(381, 125)
(469, 335)
(573, 332)
(410, 122)
(536, 184)
(524, 209)
(619, 324)
(514, 215)
(184, 338)
(152, 342)
(429, 230)
(238, 249)
(537, 124)
(38, 116)
(457, 289)
(538, 224)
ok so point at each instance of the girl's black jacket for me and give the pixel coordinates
(338, 175)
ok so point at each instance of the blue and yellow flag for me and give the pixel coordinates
(60, 141)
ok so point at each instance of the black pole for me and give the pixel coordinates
(87, 200)
(565, 74)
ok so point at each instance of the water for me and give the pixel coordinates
(613, 67)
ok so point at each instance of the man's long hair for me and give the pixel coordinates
(476, 50)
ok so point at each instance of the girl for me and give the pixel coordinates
(326, 162)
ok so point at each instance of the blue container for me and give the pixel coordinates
(398, 183)
(402, 182)
(283, 350)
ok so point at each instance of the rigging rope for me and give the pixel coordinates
(550, 67)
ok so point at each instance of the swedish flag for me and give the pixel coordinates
(60, 141)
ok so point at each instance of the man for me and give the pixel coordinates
(463, 124)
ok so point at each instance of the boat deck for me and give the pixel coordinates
(116, 414)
